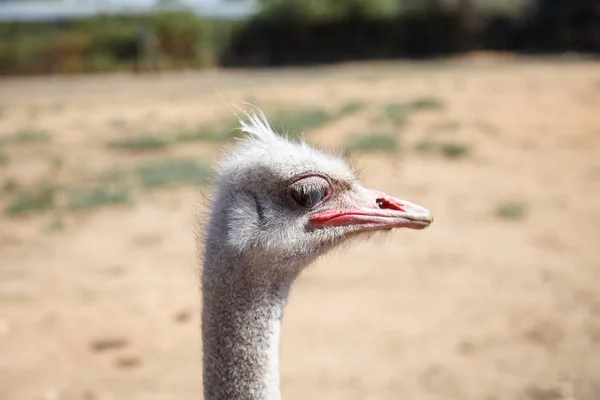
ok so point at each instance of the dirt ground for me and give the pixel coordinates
(498, 299)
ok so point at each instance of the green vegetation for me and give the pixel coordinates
(212, 132)
(181, 39)
(396, 113)
(293, 123)
(455, 149)
(116, 186)
(140, 143)
(328, 10)
(290, 123)
(382, 142)
(86, 199)
(26, 136)
(296, 122)
(452, 150)
(105, 43)
(3, 156)
(425, 103)
(174, 172)
(511, 210)
(352, 107)
(202, 134)
(38, 199)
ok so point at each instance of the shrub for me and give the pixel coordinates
(104, 43)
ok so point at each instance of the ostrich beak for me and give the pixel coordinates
(374, 210)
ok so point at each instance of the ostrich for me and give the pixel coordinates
(278, 206)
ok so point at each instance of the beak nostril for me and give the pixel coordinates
(386, 204)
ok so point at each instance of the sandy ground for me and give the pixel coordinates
(479, 306)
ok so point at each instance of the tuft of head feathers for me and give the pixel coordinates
(250, 216)
(263, 148)
(258, 127)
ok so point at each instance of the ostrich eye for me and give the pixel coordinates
(310, 191)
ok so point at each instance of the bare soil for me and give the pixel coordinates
(485, 304)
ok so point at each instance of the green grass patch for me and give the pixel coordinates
(35, 200)
(212, 132)
(116, 175)
(26, 136)
(147, 142)
(352, 107)
(174, 172)
(86, 199)
(396, 113)
(4, 159)
(374, 142)
(292, 124)
(455, 149)
(425, 103)
(511, 210)
(199, 135)
(30, 136)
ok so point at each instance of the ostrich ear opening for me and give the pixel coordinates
(374, 210)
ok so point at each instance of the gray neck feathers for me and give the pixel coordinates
(241, 321)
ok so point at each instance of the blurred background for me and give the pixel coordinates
(487, 112)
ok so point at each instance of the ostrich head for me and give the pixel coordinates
(281, 204)
(278, 205)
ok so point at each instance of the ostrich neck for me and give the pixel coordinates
(241, 324)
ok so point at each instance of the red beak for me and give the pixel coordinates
(375, 211)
